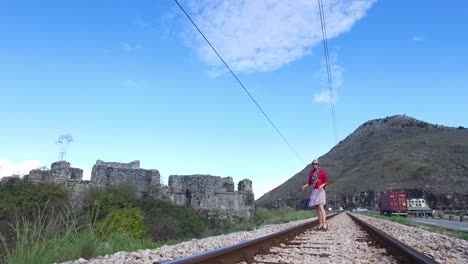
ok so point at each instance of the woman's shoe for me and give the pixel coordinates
(325, 226)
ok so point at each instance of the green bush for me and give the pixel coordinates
(24, 197)
(34, 195)
(58, 238)
(24, 200)
(245, 225)
(126, 220)
(462, 235)
(121, 241)
(167, 221)
(105, 200)
(261, 215)
(7, 205)
(249, 198)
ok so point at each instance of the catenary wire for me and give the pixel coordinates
(327, 61)
(240, 83)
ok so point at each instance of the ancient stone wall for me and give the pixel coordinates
(36, 175)
(78, 189)
(131, 165)
(213, 195)
(60, 171)
(76, 174)
(7, 179)
(199, 182)
(59, 165)
(245, 186)
(106, 174)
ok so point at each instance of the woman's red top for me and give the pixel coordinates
(322, 178)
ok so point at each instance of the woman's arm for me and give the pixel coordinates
(324, 178)
(309, 182)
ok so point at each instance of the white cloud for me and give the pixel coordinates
(131, 83)
(7, 167)
(322, 97)
(336, 72)
(417, 38)
(130, 47)
(86, 175)
(265, 35)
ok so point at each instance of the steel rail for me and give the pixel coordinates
(246, 250)
(398, 249)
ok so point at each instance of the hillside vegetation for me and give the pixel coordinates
(397, 152)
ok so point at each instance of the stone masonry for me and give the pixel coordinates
(61, 172)
(105, 174)
(212, 196)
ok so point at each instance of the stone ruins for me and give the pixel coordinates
(143, 181)
(212, 196)
(62, 172)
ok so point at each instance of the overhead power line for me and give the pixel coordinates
(327, 62)
(240, 83)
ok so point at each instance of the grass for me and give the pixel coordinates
(397, 219)
(281, 215)
(49, 238)
(75, 245)
(406, 221)
(462, 235)
(57, 237)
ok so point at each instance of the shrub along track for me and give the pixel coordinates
(348, 240)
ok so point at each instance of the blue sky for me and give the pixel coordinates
(134, 80)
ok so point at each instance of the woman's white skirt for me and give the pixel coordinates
(317, 197)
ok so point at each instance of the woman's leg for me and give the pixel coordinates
(323, 215)
(319, 215)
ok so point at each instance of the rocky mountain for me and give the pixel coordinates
(397, 152)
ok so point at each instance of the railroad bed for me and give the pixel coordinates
(343, 243)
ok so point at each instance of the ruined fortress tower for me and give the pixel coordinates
(105, 174)
(61, 172)
(213, 196)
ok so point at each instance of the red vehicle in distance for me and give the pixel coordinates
(393, 203)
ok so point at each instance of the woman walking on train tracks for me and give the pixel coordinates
(318, 180)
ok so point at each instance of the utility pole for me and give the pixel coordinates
(335, 204)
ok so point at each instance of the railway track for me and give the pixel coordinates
(348, 240)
